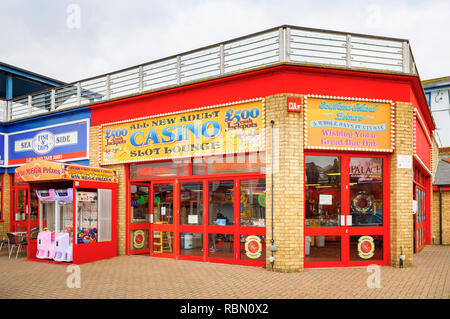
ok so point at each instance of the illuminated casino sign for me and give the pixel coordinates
(229, 128)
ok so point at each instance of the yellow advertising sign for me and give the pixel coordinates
(231, 128)
(40, 170)
(92, 174)
(349, 124)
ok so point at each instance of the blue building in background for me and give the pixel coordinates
(437, 92)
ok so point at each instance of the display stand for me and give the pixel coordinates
(77, 212)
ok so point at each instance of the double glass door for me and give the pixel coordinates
(152, 226)
(346, 210)
(203, 219)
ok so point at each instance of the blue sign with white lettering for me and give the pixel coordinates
(52, 143)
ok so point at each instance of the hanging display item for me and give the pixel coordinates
(253, 246)
(366, 247)
(139, 239)
(262, 199)
(362, 203)
(245, 208)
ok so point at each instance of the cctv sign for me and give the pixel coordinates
(294, 104)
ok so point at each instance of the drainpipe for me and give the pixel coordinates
(272, 247)
(440, 215)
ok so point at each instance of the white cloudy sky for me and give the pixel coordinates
(116, 34)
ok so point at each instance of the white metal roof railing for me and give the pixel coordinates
(285, 44)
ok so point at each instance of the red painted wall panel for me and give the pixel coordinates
(279, 79)
(423, 147)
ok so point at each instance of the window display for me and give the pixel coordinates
(163, 203)
(139, 204)
(221, 203)
(253, 202)
(191, 203)
(87, 217)
(322, 190)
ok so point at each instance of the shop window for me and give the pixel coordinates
(253, 202)
(230, 164)
(34, 204)
(94, 215)
(253, 247)
(139, 198)
(162, 242)
(87, 216)
(163, 203)
(221, 246)
(366, 247)
(191, 244)
(139, 239)
(322, 248)
(159, 169)
(322, 190)
(366, 191)
(191, 203)
(221, 203)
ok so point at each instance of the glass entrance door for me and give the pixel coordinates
(139, 218)
(21, 209)
(345, 215)
(192, 220)
(162, 229)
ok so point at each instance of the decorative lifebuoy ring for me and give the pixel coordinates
(139, 239)
(362, 202)
(253, 246)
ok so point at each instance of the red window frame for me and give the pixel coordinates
(421, 220)
(344, 232)
(14, 224)
(237, 230)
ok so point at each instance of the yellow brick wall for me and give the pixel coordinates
(121, 191)
(288, 184)
(401, 187)
(435, 213)
(6, 213)
(445, 217)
